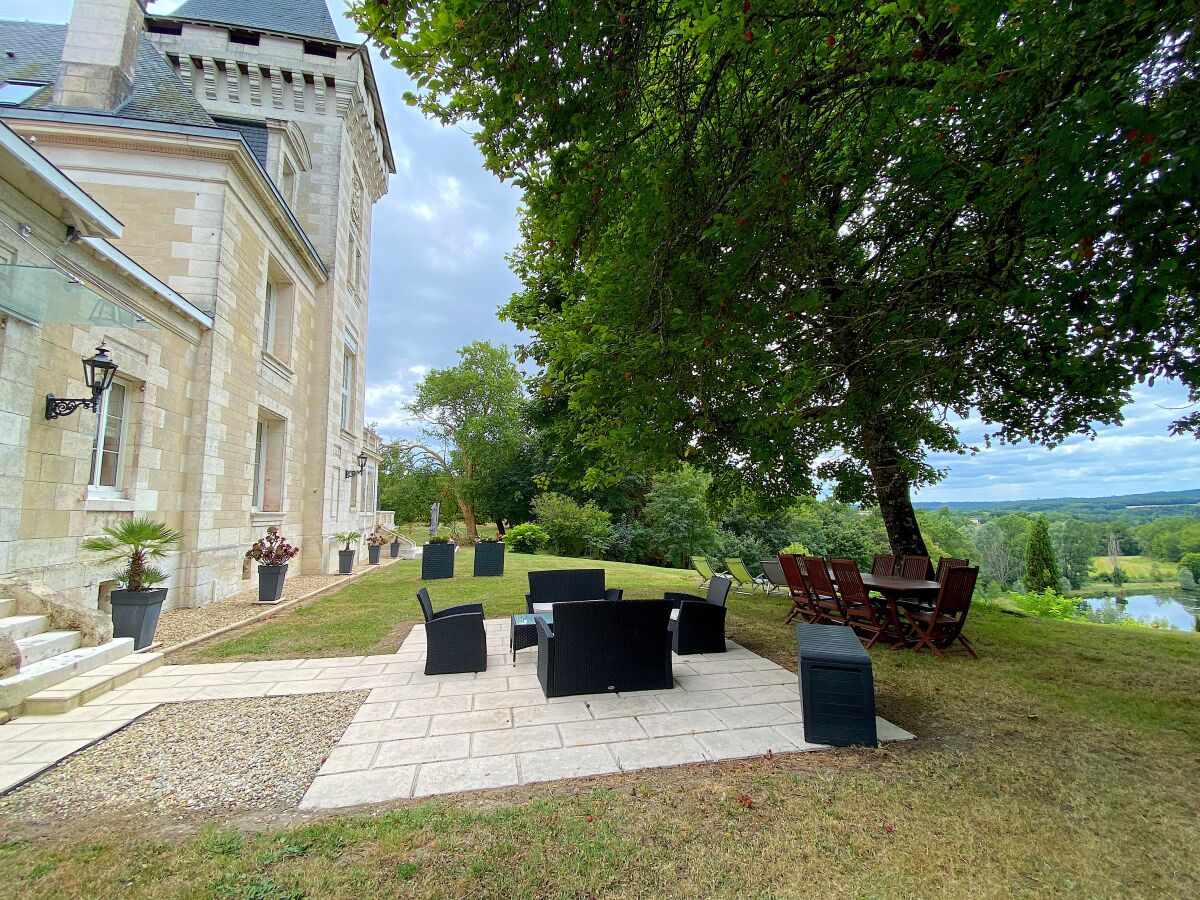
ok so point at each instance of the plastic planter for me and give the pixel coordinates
(437, 561)
(270, 583)
(395, 549)
(135, 615)
(345, 562)
(373, 554)
(489, 559)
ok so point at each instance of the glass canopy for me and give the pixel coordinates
(42, 294)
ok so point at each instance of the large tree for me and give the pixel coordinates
(798, 239)
(471, 420)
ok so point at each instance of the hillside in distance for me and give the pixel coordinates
(1134, 507)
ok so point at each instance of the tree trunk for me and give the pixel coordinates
(467, 508)
(500, 527)
(892, 490)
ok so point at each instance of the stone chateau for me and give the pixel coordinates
(195, 191)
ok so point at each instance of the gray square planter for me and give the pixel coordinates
(437, 561)
(489, 559)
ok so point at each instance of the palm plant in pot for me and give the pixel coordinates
(134, 544)
(346, 554)
(375, 542)
(272, 553)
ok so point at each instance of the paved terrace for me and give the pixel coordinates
(418, 735)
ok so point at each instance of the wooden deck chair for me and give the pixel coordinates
(866, 618)
(824, 597)
(941, 626)
(945, 564)
(883, 564)
(773, 572)
(743, 581)
(705, 570)
(916, 567)
(802, 605)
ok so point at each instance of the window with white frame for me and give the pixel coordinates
(108, 445)
(347, 387)
(267, 486)
(277, 314)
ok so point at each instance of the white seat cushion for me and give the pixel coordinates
(675, 614)
(543, 608)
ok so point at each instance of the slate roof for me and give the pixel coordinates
(31, 51)
(303, 18)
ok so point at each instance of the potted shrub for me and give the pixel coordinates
(489, 557)
(346, 554)
(375, 544)
(437, 559)
(272, 553)
(395, 547)
(133, 544)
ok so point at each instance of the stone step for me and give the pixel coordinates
(7, 608)
(47, 644)
(54, 671)
(82, 689)
(17, 627)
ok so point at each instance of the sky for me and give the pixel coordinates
(439, 273)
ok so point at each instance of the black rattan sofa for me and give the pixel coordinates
(455, 639)
(566, 586)
(698, 626)
(608, 645)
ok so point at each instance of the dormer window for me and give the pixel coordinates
(249, 38)
(14, 93)
(316, 48)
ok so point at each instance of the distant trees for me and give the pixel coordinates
(1041, 569)
(1000, 560)
(1074, 544)
(1170, 538)
(676, 515)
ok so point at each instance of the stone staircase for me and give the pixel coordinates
(57, 673)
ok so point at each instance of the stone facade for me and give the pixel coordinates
(247, 422)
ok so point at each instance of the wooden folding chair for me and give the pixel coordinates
(941, 626)
(946, 563)
(916, 567)
(862, 614)
(883, 564)
(802, 605)
(824, 597)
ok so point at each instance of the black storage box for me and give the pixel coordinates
(837, 689)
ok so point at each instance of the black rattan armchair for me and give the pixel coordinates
(566, 586)
(698, 626)
(605, 646)
(455, 638)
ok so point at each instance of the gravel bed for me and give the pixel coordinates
(178, 625)
(212, 755)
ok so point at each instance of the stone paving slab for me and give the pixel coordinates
(496, 728)
(419, 735)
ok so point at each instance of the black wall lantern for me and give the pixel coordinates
(98, 372)
(362, 466)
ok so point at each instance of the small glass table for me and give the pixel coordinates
(524, 630)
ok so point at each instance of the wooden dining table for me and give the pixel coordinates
(893, 589)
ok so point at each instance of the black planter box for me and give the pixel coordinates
(373, 553)
(395, 549)
(437, 561)
(489, 559)
(270, 583)
(135, 615)
(345, 562)
(837, 690)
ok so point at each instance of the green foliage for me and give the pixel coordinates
(1041, 569)
(676, 515)
(347, 538)
(1001, 556)
(525, 538)
(945, 534)
(1187, 581)
(1074, 544)
(1191, 561)
(723, 209)
(1047, 604)
(133, 543)
(408, 487)
(574, 529)
(1170, 538)
(834, 529)
(796, 548)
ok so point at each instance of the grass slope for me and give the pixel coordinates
(1064, 762)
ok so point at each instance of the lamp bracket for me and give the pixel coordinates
(57, 407)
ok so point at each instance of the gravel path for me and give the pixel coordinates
(214, 755)
(178, 625)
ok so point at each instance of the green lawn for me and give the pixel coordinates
(1065, 762)
(1138, 568)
